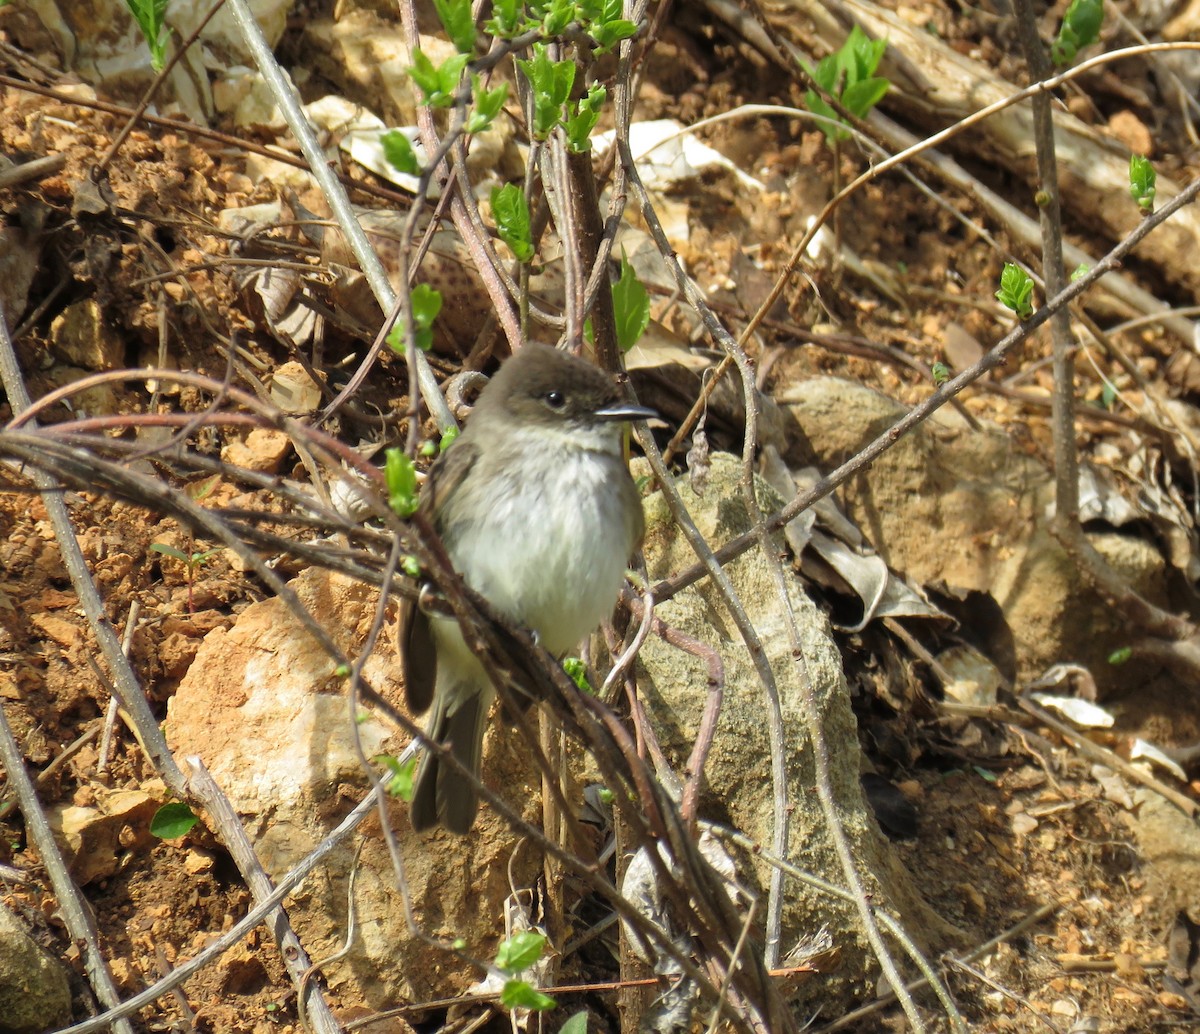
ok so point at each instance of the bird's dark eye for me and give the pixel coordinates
(555, 399)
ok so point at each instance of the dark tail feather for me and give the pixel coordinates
(441, 795)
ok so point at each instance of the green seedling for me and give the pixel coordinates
(1016, 290)
(458, 22)
(487, 105)
(426, 304)
(550, 84)
(849, 75)
(511, 212)
(514, 956)
(587, 113)
(172, 820)
(437, 83)
(631, 306)
(192, 562)
(1080, 26)
(399, 780)
(398, 150)
(577, 672)
(149, 15)
(400, 476)
(1143, 182)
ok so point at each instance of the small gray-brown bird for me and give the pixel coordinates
(540, 516)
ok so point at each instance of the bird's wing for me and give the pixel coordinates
(417, 651)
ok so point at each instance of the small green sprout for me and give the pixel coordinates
(1142, 182)
(398, 150)
(631, 306)
(849, 75)
(513, 956)
(437, 83)
(172, 821)
(550, 84)
(459, 23)
(149, 15)
(511, 212)
(1080, 26)
(426, 304)
(400, 475)
(399, 780)
(1016, 290)
(587, 113)
(487, 105)
(577, 671)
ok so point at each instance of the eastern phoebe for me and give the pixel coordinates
(539, 515)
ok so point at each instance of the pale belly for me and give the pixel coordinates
(551, 553)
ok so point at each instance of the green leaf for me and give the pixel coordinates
(941, 374)
(1079, 272)
(410, 565)
(550, 83)
(400, 476)
(520, 952)
(577, 1024)
(517, 994)
(457, 20)
(577, 670)
(1080, 26)
(849, 75)
(1143, 181)
(631, 306)
(449, 437)
(398, 150)
(1121, 655)
(1016, 289)
(437, 84)
(487, 105)
(559, 14)
(984, 774)
(506, 19)
(833, 128)
(399, 782)
(860, 97)
(172, 820)
(426, 304)
(608, 34)
(511, 212)
(580, 125)
(171, 551)
(150, 15)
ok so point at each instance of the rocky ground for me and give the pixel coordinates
(998, 817)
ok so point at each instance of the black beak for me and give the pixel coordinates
(625, 411)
